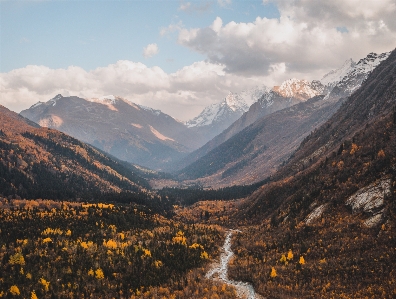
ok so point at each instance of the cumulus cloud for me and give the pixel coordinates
(182, 94)
(150, 50)
(306, 38)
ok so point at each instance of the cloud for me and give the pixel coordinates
(150, 50)
(309, 37)
(182, 94)
(171, 28)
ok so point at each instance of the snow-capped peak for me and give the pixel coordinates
(57, 97)
(54, 99)
(296, 88)
(251, 96)
(231, 107)
(355, 75)
(235, 102)
(335, 76)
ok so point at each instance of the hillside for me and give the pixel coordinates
(129, 132)
(45, 163)
(267, 134)
(268, 143)
(325, 225)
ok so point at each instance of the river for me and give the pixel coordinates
(244, 289)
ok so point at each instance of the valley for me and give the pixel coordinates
(294, 197)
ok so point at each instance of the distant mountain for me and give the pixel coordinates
(345, 80)
(289, 93)
(217, 117)
(45, 163)
(130, 132)
(273, 127)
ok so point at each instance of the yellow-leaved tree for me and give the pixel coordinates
(14, 290)
(273, 273)
(33, 295)
(99, 274)
(290, 255)
(17, 259)
(45, 284)
(302, 260)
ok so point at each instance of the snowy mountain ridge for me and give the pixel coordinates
(349, 77)
(233, 103)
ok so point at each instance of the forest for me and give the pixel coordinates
(58, 249)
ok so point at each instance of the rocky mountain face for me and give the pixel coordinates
(45, 163)
(271, 131)
(130, 132)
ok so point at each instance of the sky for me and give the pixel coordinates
(179, 56)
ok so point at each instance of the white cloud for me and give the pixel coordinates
(150, 50)
(306, 38)
(305, 42)
(182, 94)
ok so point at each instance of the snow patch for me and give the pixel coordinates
(36, 105)
(371, 197)
(153, 111)
(337, 75)
(159, 135)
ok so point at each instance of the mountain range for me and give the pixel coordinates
(128, 131)
(271, 130)
(260, 125)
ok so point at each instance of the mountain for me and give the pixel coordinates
(267, 135)
(45, 163)
(289, 93)
(130, 132)
(345, 80)
(332, 206)
(217, 117)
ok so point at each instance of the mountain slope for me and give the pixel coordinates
(326, 222)
(271, 138)
(267, 142)
(354, 148)
(291, 92)
(130, 132)
(45, 163)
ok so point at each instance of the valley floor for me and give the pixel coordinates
(72, 250)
